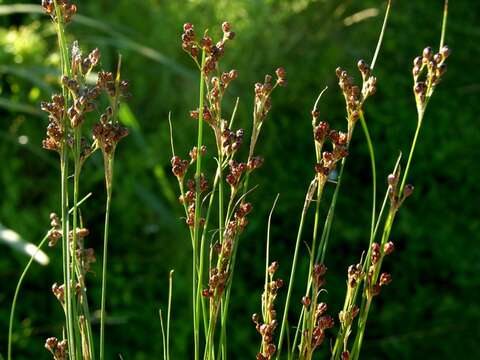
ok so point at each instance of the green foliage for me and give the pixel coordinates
(431, 304)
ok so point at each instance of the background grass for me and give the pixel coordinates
(431, 310)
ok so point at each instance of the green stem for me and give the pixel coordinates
(199, 297)
(374, 174)
(196, 230)
(108, 161)
(164, 341)
(294, 265)
(322, 246)
(444, 24)
(64, 58)
(221, 222)
(17, 290)
(20, 281)
(86, 313)
(362, 322)
(382, 33)
(226, 303)
(365, 308)
(66, 250)
(412, 150)
(320, 187)
(169, 311)
(76, 180)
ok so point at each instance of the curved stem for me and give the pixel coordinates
(17, 290)
(20, 282)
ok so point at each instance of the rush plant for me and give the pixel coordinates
(74, 138)
(228, 187)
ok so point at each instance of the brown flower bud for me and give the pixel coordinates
(428, 53)
(388, 248)
(281, 73)
(273, 268)
(385, 279)
(445, 51)
(408, 190)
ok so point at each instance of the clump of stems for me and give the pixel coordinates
(211, 289)
(67, 114)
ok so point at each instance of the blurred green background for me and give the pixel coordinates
(432, 308)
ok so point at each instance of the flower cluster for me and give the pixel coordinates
(108, 132)
(322, 322)
(266, 327)
(354, 95)
(315, 313)
(55, 129)
(263, 93)
(55, 233)
(188, 199)
(427, 72)
(179, 166)
(339, 150)
(214, 52)
(237, 169)
(377, 254)
(67, 10)
(59, 349)
(219, 274)
(396, 195)
(231, 141)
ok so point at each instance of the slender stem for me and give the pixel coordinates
(196, 230)
(169, 311)
(267, 247)
(226, 302)
(20, 282)
(17, 290)
(164, 341)
(374, 173)
(202, 257)
(108, 160)
(412, 150)
(306, 205)
(221, 221)
(362, 322)
(444, 23)
(76, 181)
(382, 33)
(66, 250)
(86, 313)
(64, 174)
(322, 246)
(365, 308)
